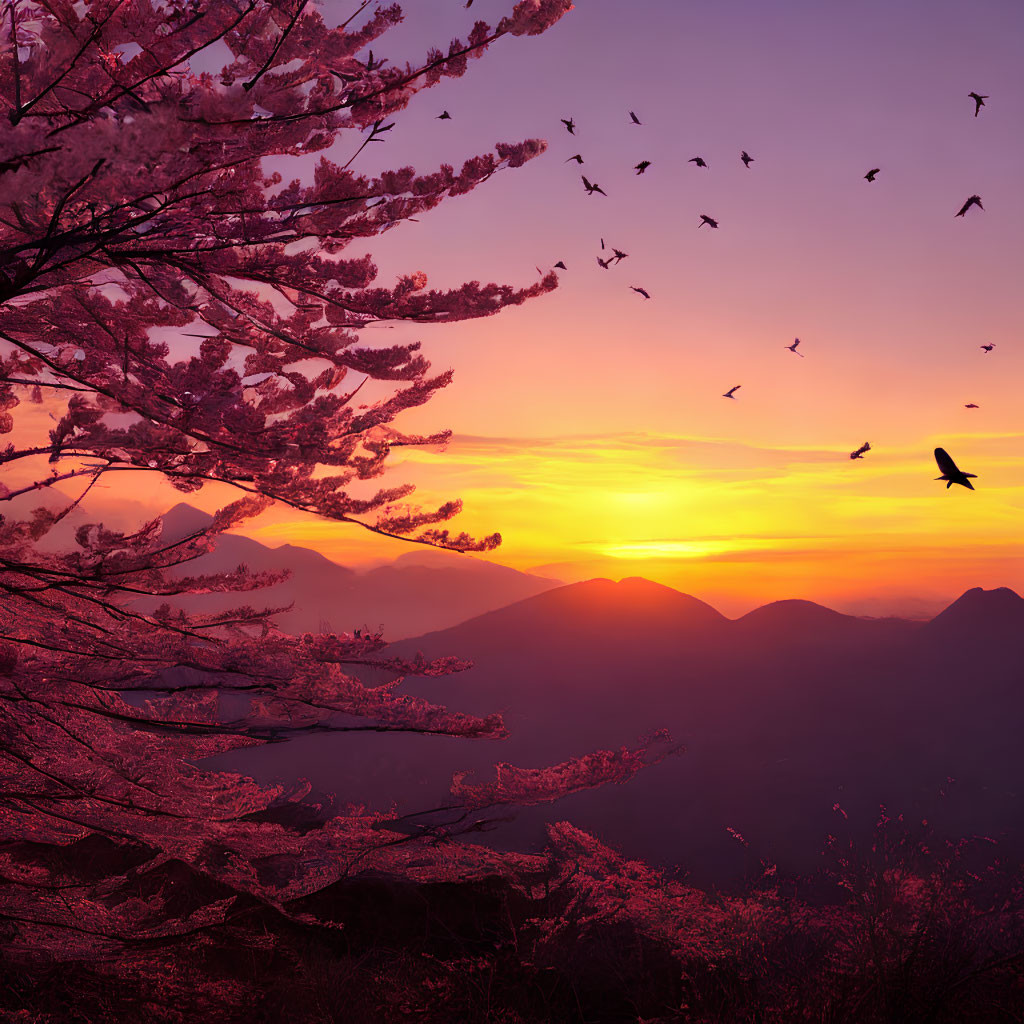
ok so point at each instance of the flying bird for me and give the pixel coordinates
(619, 254)
(971, 405)
(950, 473)
(979, 101)
(859, 453)
(986, 348)
(729, 393)
(870, 176)
(710, 221)
(602, 243)
(640, 291)
(570, 125)
(605, 263)
(972, 201)
(642, 166)
(698, 160)
(634, 118)
(443, 116)
(561, 265)
(792, 348)
(746, 158)
(578, 158)
(591, 189)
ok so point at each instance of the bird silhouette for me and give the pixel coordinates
(746, 158)
(972, 201)
(951, 473)
(619, 254)
(979, 101)
(570, 125)
(561, 265)
(605, 263)
(591, 189)
(986, 348)
(602, 243)
(710, 221)
(792, 348)
(640, 291)
(443, 116)
(698, 160)
(870, 176)
(577, 158)
(634, 118)
(859, 453)
(730, 392)
(642, 166)
(971, 405)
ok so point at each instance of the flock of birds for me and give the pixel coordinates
(950, 473)
(593, 188)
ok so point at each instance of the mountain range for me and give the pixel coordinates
(414, 594)
(798, 722)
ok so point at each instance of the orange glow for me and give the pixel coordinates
(592, 431)
(732, 524)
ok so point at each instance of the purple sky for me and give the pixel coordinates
(592, 431)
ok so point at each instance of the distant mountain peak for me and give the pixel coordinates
(184, 519)
(1003, 594)
(793, 610)
(980, 607)
(633, 600)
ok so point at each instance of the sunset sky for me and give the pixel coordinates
(590, 427)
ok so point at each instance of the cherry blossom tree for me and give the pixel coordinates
(182, 310)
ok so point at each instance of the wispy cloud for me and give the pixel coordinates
(742, 522)
(700, 509)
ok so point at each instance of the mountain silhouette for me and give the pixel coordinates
(980, 612)
(803, 625)
(405, 598)
(623, 611)
(784, 713)
(183, 519)
(793, 614)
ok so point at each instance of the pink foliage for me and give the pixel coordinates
(537, 785)
(136, 208)
(141, 174)
(532, 17)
